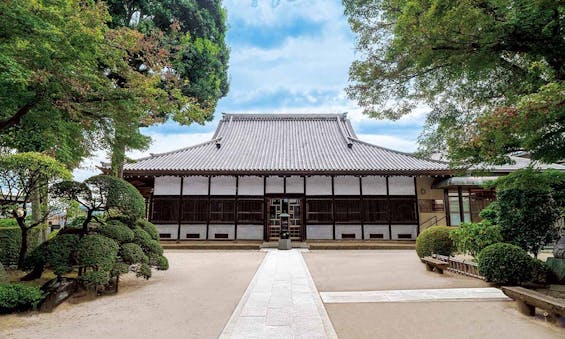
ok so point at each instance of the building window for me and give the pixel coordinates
(431, 205)
(194, 210)
(403, 210)
(222, 210)
(250, 211)
(319, 211)
(375, 210)
(165, 210)
(456, 210)
(347, 210)
(480, 199)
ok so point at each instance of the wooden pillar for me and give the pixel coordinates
(180, 207)
(461, 214)
(333, 207)
(446, 206)
(265, 210)
(417, 206)
(284, 185)
(236, 206)
(361, 208)
(209, 208)
(388, 210)
(305, 233)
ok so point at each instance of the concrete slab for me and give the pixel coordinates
(280, 302)
(448, 294)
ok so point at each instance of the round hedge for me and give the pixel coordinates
(116, 230)
(540, 271)
(133, 254)
(506, 264)
(435, 240)
(18, 297)
(149, 228)
(97, 251)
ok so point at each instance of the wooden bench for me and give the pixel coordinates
(528, 300)
(433, 263)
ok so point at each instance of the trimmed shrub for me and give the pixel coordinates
(76, 222)
(3, 274)
(60, 252)
(504, 263)
(116, 230)
(540, 271)
(132, 254)
(151, 247)
(95, 278)
(473, 237)
(144, 271)
(435, 240)
(149, 228)
(97, 251)
(161, 263)
(18, 297)
(10, 240)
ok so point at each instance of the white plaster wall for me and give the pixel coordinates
(250, 185)
(401, 186)
(318, 185)
(275, 184)
(167, 185)
(222, 185)
(168, 229)
(197, 185)
(319, 232)
(346, 185)
(374, 185)
(295, 184)
(250, 232)
(213, 229)
(348, 229)
(377, 229)
(200, 229)
(404, 229)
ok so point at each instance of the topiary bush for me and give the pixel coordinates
(540, 271)
(116, 230)
(473, 237)
(504, 263)
(132, 254)
(149, 228)
(18, 297)
(10, 240)
(3, 275)
(435, 240)
(97, 252)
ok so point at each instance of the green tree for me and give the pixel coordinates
(22, 176)
(491, 71)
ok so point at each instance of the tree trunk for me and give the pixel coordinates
(24, 244)
(118, 159)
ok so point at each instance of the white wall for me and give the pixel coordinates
(401, 186)
(346, 185)
(295, 184)
(374, 185)
(319, 232)
(199, 229)
(319, 185)
(347, 229)
(167, 185)
(250, 185)
(250, 232)
(376, 229)
(275, 184)
(196, 185)
(222, 185)
(213, 229)
(168, 229)
(404, 229)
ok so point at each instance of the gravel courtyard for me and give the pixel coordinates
(397, 270)
(193, 299)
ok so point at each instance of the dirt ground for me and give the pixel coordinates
(193, 299)
(395, 270)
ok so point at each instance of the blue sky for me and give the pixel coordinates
(286, 56)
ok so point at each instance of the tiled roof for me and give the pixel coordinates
(284, 143)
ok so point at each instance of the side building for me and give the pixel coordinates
(311, 166)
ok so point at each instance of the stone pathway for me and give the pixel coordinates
(445, 294)
(280, 302)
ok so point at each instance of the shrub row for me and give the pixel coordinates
(18, 297)
(10, 240)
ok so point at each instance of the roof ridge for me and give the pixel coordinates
(156, 155)
(282, 116)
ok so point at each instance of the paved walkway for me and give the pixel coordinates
(280, 302)
(443, 294)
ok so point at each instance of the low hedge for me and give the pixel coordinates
(18, 297)
(505, 264)
(435, 240)
(10, 240)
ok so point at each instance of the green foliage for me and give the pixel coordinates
(149, 228)
(473, 237)
(133, 254)
(116, 230)
(143, 271)
(8, 222)
(529, 203)
(491, 71)
(491, 213)
(161, 262)
(504, 263)
(18, 297)
(60, 253)
(151, 247)
(540, 271)
(10, 240)
(434, 240)
(3, 274)
(97, 251)
(95, 278)
(76, 222)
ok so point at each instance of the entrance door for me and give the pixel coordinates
(292, 206)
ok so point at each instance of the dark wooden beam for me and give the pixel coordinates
(305, 236)
(461, 213)
(209, 208)
(446, 206)
(388, 209)
(236, 209)
(333, 206)
(265, 210)
(180, 207)
(417, 207)
(361, 208)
